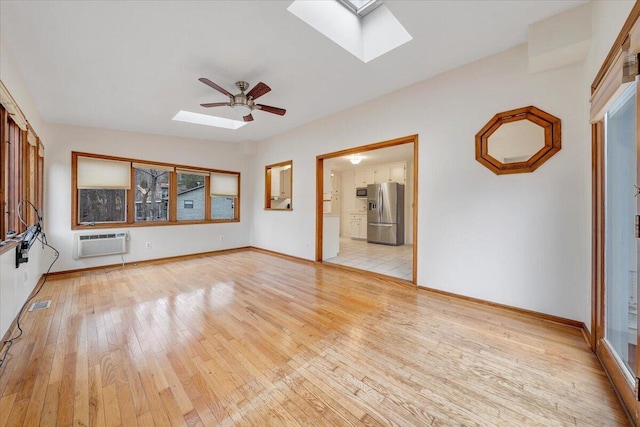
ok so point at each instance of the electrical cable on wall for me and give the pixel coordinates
(37, 233)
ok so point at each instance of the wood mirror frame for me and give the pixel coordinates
(552, 140)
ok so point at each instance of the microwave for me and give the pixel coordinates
(361, 192)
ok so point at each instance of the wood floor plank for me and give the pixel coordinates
(6, 405)
(247, 338)
(49, 416)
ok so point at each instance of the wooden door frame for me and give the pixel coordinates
(603, 91)
(355, 150)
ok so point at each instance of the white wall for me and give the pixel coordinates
(521, 240)
(165, 240)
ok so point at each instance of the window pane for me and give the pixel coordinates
(101, 206)
(31, 181)
(223, 207)
(152, 195)
(190, 197)
(14, 181)
(621, 257)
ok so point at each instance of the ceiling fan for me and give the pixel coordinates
(243, 103)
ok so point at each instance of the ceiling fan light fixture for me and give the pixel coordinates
(355, 159)
(241, 109)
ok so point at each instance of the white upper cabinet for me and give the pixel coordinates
(285, 183)
(398, 172)
(364, 177)
(391, 172)
(381, 174)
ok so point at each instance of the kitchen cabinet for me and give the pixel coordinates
(390, 172)
(285, 184)
(382, 174)
(364, 177)
(275, 184)
(281, 184)
(398, 172)
(330, 236)
(358, 226)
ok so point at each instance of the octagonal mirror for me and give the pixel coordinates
(518, 141)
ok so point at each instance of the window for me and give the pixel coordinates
(278, 186)
(361, 8)
(102, 186)
(151, 192)
(191, 191)
(114, 190)
(101, 205)
(224, 196)
(222, 207)
(14, 188)
(21, 169)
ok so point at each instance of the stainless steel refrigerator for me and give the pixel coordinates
(385, 213)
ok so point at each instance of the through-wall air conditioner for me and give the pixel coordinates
(90, 245)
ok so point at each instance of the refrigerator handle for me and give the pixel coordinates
(381, 200)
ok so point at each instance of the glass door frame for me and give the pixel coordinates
(609, 84)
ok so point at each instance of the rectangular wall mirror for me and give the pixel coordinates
(278, 186)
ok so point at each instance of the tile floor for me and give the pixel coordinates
(395, 261)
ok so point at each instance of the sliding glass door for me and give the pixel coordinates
(620, 241)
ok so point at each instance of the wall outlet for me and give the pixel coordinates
(307, 244)
(147, 245)
(221, 238)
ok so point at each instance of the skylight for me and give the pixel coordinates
(365, 37)
(204, 119)
(361, 7)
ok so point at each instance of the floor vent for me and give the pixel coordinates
(41, 305)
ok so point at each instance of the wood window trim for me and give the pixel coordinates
(618, 45)
(268, 176)
(173, 189)
(21, 174)
(4, 152)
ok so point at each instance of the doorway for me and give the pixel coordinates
(616, 244)
(345, 231)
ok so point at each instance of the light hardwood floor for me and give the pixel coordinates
(247, 338)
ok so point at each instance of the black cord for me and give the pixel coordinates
(42, 238)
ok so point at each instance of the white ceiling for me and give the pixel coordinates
(132, 65)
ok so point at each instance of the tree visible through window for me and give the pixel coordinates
(152, 194)
(101, 205)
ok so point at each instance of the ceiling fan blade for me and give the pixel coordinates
(215, 86)
(273, 110)
(248, 118)
(258, 90)
(216, 104)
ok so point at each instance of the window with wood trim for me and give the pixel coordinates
(151, 193)
(21, 175)
(112, 191)
(192, 188)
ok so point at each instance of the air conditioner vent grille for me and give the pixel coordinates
(90, 245)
